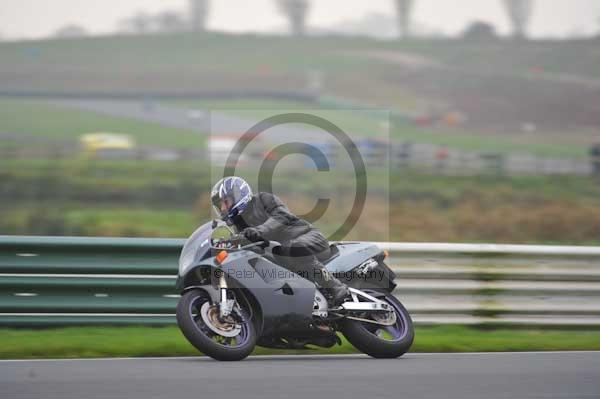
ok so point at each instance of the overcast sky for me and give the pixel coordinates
(39, 18)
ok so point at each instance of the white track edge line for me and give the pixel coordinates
(304, 356)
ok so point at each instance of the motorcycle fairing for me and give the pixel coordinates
(351, 255)
(286, 303)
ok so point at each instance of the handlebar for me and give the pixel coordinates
(263, 243)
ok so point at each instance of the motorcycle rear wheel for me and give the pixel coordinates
(382, 342)
(194, 314)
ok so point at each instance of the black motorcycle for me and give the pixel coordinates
(236, 295)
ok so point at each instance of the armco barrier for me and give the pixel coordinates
(83, 281)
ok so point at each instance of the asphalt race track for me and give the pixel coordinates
(214, 121)
(460, 376)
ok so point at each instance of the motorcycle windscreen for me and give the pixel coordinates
(195, 248)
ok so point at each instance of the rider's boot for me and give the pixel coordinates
(336, 290)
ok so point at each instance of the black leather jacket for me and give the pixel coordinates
(275, 222)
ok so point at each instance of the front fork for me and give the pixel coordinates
(226, 304)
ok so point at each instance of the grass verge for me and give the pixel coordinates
(87, 342)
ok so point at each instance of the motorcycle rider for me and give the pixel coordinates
(264, 216)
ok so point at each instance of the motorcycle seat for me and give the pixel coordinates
(334, 252)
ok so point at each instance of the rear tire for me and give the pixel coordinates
(204, 338)
(364, 336)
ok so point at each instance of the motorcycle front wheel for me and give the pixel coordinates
(382, 341)
(224, 340)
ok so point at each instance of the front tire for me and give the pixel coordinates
(194, 315)
(382, 342)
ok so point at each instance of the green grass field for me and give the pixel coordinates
(73, 219)
(78, 196)
(390, 73)
(168, 199)
(35, 120)
(86, 342)
(235, 52)
(570, 57)
(376, 123)
(31, 120)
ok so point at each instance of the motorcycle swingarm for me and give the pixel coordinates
(368, 303)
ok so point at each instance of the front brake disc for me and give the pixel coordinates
(210, 317)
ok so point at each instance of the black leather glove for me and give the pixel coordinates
(252, 234)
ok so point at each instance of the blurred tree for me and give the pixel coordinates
(199, 14)
(170, 21)
(296, 12)
(70, 30)
(403, 10)
(480, 30)
(519, 12)
(140, 23)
